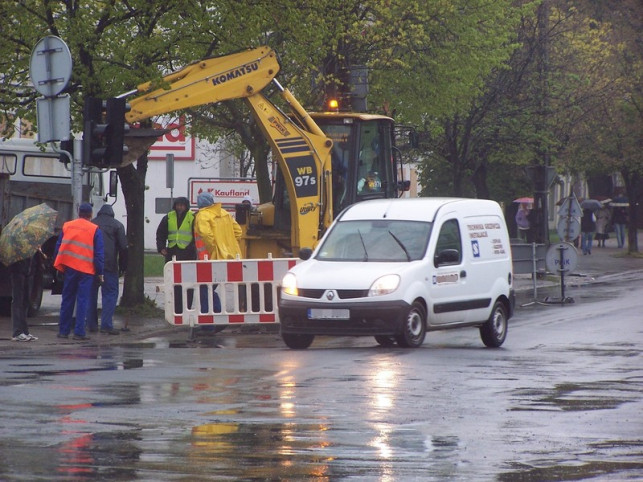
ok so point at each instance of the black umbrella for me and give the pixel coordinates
(591, 204)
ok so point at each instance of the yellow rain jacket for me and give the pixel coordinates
(216, 233)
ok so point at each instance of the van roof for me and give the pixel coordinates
(416, 209)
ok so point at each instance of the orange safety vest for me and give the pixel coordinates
(77, 246)
(201, 250)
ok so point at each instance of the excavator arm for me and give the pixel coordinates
(302, 150)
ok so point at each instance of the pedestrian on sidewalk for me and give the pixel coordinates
(80, 256)
(115, 246)
(522, 221)
(619, 219)
(588, 228)
(19, 273)
(602, 221)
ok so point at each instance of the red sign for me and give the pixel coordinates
(173, 142)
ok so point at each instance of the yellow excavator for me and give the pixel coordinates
(326, 160)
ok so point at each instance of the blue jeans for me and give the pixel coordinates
(77, 288)
(109, 291)
(203, 291)
(586, 243)
(619, 230)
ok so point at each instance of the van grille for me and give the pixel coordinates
(343, 294)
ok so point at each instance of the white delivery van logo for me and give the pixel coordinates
(475, 246)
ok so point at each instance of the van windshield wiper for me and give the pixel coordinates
(406, 251)
(363, 245)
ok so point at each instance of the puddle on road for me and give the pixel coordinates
(577, 396)
(582, 471)
(248, 451)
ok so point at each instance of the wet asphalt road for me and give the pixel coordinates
(561, 400)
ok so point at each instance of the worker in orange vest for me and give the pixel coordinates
(80, 256)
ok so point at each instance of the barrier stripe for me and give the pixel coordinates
(235, 271)
(247, 289)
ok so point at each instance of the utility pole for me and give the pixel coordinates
(541, 186)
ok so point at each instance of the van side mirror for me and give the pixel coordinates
(305, 253)
(447, 256)
(403, 186)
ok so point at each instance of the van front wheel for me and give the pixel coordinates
(414, 327)
(494, 331)
(297, 342)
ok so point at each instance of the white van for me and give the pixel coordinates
(397, 268)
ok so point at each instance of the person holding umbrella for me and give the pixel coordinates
(80, 255)
(20, 243)
(522, 222)
(19, 273)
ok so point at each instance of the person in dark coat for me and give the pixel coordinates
(19, 273)
(175, 238)
(175, 235)
(115, 246)
(619, 219)
(587, 228)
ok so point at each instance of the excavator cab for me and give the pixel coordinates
(363, 162)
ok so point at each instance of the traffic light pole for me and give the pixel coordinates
(76, 178)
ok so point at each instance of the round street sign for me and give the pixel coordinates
(50, 66)
(561, 258)
(568, 228)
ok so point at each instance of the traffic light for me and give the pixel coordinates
(104, 131)
(116, 128)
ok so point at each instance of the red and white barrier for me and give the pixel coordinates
(247, 289)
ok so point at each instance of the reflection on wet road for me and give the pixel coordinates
(562, 400)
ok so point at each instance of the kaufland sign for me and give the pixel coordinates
(226, 191)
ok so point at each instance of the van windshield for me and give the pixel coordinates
(376, 241)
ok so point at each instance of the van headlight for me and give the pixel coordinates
(384, 285)
(289, 285)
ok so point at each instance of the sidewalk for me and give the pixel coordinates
(607, 264)
(602, 265)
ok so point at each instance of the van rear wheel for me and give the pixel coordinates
(414, 327)
(297, 342)
(494, 331)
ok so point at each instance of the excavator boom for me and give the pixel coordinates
(302, 150)
(208, 81)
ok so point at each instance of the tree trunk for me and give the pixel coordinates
(133, 186)
(479, 180)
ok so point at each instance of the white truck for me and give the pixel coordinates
(31, 175)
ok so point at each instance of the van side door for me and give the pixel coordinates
(447, 273)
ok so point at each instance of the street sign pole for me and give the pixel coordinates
(50, 70)
(561, 258)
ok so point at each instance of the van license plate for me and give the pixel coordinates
(328, 314)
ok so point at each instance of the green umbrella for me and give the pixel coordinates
(26, 232)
